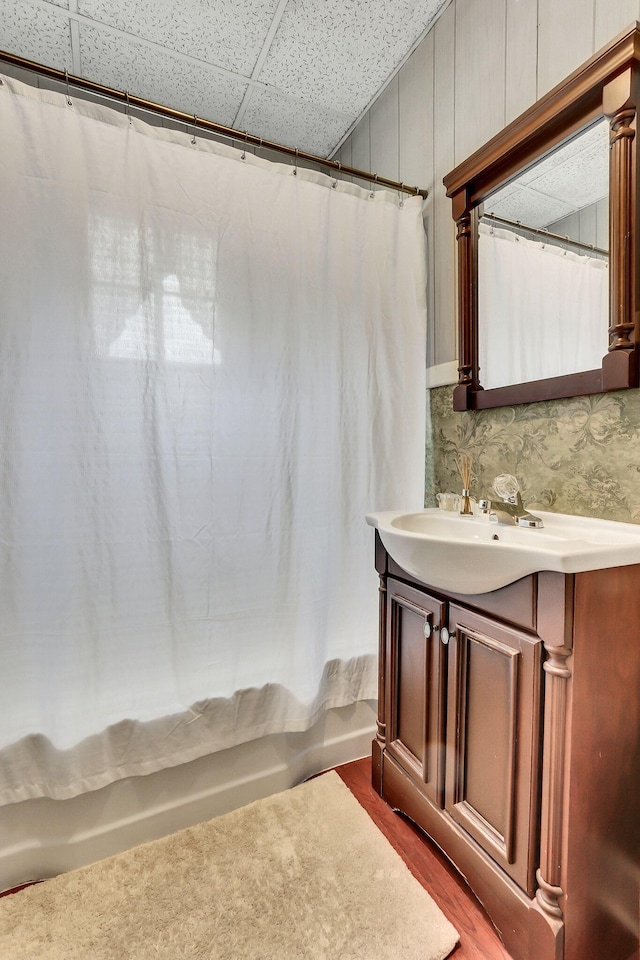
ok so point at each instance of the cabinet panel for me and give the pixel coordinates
(493, 739)
(416, 692)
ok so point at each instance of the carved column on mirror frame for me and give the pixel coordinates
(619, 104)
(557, 676)
(467, 313)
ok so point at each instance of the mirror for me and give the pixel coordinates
(547, 252)
(543, 266)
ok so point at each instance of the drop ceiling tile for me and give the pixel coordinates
(580, 179)
(294, 123)
(500, 195)
(569, 179)
(158, 76)
(338, 53)
(228, 33)
(35, 33)
(592, 142)
(530, 208)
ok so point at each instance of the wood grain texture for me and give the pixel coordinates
(612, 17)
(415, 101)
(479, 71)
(361, 148)
(384, 122)
(565, 39)
(444, 276)
(344, 157)
(478, 939)
(603, 835)
(416, 150)
(521, 57)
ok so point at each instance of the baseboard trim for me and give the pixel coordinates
(442, 374)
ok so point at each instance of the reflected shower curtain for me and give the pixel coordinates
(210, 369)
(542, 309)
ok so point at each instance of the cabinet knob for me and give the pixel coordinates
(426, 629)
(444, 636)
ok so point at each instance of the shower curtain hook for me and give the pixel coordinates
(295, 169)
(400, 196)
(375, 180)
(128, 107)
(195, 124)
(243, 155)
(334, 185)
(66, 77)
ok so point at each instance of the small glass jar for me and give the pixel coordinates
(448, 501)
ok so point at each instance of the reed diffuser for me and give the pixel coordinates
(464, 463)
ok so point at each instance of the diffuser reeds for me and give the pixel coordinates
(464, 463)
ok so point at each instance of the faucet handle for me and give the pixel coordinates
(507, 487)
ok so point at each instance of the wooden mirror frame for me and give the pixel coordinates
(608, 85)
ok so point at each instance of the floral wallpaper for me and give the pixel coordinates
(579, 456)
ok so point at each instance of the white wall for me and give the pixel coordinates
(482, 64)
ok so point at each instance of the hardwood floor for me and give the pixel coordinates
(478, 939)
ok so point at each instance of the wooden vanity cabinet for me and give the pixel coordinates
(509, 730)
(464, 720)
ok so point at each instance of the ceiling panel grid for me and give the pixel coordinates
(298, 72)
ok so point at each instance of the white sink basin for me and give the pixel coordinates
(472, 555)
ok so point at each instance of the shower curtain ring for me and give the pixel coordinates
(243, 155)
(295, 169)
(375, 180)
(66, 77)
(195, 124)
(400, 195)
(128, 107)
(334, 185)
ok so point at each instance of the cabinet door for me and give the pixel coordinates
(416, 687)
(493, 739)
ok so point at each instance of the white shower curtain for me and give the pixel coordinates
(210, 369)
(542, 309)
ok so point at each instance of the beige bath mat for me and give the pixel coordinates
(302, 875)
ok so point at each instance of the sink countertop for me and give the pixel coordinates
(472, 555)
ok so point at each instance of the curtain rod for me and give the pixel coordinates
(544, 233)
(131, 100)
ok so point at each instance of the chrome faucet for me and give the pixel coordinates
(510, 509)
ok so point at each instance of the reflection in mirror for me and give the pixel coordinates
(543, 277)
